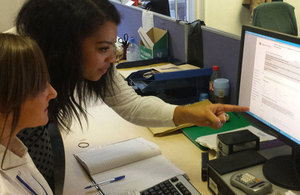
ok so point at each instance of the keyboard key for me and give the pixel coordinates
(174, 179)
(178, 185)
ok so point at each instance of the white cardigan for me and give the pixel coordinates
(149, 111)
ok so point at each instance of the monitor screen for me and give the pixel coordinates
(159, 6)
(270, 86)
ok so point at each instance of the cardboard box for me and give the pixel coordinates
(160, 49)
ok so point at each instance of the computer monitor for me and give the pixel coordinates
(159, 6)
(269, 84)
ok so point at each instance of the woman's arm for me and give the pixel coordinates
(212, 115)
(151, 111)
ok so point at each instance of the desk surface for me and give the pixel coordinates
(106, 127)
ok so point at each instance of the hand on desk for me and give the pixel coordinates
(212, 115)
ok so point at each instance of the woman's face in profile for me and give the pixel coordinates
(34, 111)
(98, 51)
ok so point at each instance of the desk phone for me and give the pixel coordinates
(250, 184)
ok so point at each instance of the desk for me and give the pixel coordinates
(106, 127)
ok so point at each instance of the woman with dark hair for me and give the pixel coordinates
(77, 38)
(25, 95)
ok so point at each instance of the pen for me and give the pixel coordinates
(26, 185)
(106, 181)
(97, 187)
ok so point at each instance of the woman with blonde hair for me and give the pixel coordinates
(25, 93)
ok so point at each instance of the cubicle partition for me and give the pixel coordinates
(219, 48)
(131, 20)
(222, 49)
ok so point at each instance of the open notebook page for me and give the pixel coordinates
(118, 154)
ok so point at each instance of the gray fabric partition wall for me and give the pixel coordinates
(222, 49)
(219, 48)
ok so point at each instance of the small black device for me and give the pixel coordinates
(204, 168)
(237, 141)
(250, 184)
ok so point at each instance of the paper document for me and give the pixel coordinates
(173, 68)
(147, 20)
(129, 3)
(210, 141)
(161, 131)
(162, 67)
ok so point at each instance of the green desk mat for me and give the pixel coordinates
(235, 121)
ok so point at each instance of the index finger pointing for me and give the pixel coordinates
(235, 108)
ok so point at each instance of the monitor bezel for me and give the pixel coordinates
(253, 120)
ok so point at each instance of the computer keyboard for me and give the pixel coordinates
(178, 185)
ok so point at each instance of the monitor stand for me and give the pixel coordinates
(284, 171)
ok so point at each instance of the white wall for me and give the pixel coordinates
(226, 15)
(229, 15)
(8, 11)
(296, 4)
